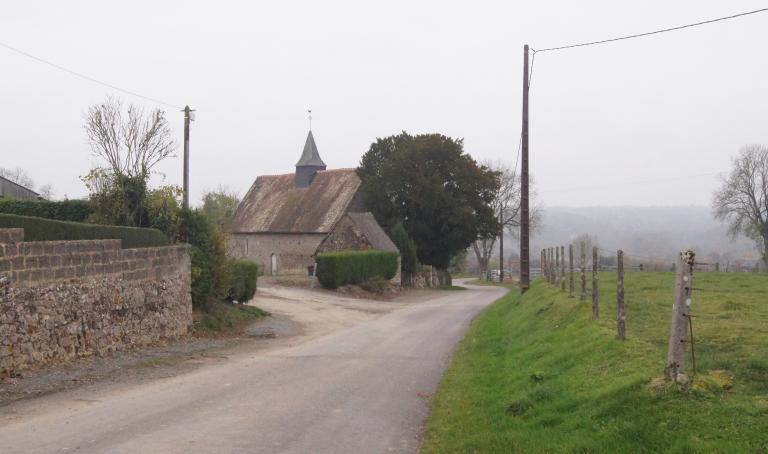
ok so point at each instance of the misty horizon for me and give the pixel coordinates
(650, 122)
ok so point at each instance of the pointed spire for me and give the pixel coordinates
(310, 155)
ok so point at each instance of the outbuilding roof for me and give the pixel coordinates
(274, 203)
(371, 229)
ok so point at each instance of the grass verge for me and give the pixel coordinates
(226, 318)
(506, 284)
(535, 373)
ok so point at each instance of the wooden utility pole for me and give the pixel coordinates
(571, 289)
(187, 117)
(501, 245)
(525, 265)
(621, 318)
(595, 290)
(681, 313)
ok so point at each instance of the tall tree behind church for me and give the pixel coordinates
(441, 195)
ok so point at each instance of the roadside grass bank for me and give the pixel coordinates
(535, 373)
(506, 284)
(226, 318)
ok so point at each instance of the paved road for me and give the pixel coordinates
(359, 390)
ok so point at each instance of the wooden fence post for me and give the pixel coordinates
(681, 312)
(583, 273)
(621, 318)
(542, 263)
(562, 268)
(595, 290)
(549, 264)
(570, 270)
(557, 265)
(550, 259)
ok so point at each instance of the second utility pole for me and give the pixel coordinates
(525, 265)
(187, 112)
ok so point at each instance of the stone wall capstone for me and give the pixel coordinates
(65, 299)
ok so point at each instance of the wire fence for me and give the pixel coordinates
(578, 275)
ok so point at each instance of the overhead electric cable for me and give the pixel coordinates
(638, 35)
(86, 77)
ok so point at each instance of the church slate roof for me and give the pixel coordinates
(371, 229)
(310, 156)
(274, 203)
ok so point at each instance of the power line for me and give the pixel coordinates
(86, 77)
(603, 41)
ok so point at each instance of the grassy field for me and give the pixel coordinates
(537, 374)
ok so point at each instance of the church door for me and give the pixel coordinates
(274, 265)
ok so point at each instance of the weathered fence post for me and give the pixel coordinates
(562, 268)
(557, 265)
(717, 267)
(570, 269)
(621, 318)
(595, 290)
(542, 263)
(681, 312)
(550, 259)
(583, 273)
(553, 276)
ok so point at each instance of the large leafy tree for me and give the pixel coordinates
(439, 193)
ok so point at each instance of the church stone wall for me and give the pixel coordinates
(293, 251)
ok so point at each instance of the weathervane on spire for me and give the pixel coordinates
(310, 119)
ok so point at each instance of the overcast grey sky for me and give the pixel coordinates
(662, 114)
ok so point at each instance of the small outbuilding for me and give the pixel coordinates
(16, 191)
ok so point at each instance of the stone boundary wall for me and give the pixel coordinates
(65, 299)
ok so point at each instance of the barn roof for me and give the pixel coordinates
(275, 204)
(373, 231)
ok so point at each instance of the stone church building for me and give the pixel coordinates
(284, 220)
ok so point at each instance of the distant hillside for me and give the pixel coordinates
(652, 231)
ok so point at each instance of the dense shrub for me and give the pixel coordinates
(375, 284)
(39, 229)
(65, 210)
(210, 277)
(335, 269)
(242, 280)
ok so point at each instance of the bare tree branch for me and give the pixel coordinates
(131, 141)
(507, 206)
(742, 200)
(18, 176)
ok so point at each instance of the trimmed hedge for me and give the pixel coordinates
(242, 277)
(335, 269)
(65, 210)
(39, 229)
